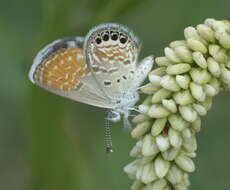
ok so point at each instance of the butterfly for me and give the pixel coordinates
(101, 69)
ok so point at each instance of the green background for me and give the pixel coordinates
(51, 143)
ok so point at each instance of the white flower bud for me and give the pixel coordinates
(162, 142)
(140, 118)
(197, 91)
(170, 105)
(141, 129)
(223, 38)
(136, 150)
(186, 133)
(196, 45)
(158, 111)
(154, 79)
(225, 75)
(159, 71)
(170, 154)
(163, 61)
(139, 171)
(148, 173)
(207, 103)
(200, 76)
(171, 55)
(169, 83)
(161, 167)
(218, 53)
(196, 125)
(199, 109)
(183, 81)
(149, 89)
(188, 113)
(185, 163)
(191, 33)
(183, 97)
(143, 108)
(213, 67)
(200, 60)
(177, 122)
(131, 168)
(149, 147)
(175, 175)
(160, 95)
(184, 54)
(159, 185)
(177, 43)
(158, 126)
(174, 138)
(177, 69)
(190, 144)
(206, 33)
(209, 90)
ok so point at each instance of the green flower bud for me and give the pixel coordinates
(162, 142)
(196, 45)
(184, 54)
(213, 67)
(160, 95)
(169, 83)
(183, 97)
(158, 111)
(200, 76)
(149, 147)
(161, 167)
(158, 126)
(183, 81)
(200, 60)
(206, 33)
(174, 138)
(141, 129)
(188, 113)
(197, 91)
(163, 61)
(171, 55)
(179, 68)
(185, 163)
(170, 105)
(177, 122)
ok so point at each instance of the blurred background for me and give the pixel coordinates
(51, 143)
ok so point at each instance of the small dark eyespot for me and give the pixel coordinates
(98, 40)
(118, 80)
(105, 36)
(124, 77)
(132, 72)
(123, 39)
(107, 83)
(114, 36)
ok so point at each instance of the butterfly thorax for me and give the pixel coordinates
(123, 105)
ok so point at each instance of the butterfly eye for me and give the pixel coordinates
(98, 39)
(114, 36)
(105, 36)
(123, 39)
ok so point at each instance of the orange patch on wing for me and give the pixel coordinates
(62, 69)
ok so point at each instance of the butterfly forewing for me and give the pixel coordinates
(61, 68)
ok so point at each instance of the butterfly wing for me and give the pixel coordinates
(111, 51)
(61, 68)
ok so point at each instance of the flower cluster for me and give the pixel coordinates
(180, 91)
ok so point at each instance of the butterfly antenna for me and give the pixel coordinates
(108, 137)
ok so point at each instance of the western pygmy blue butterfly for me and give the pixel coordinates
(101, 69)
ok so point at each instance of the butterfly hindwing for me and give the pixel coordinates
(111, 52)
